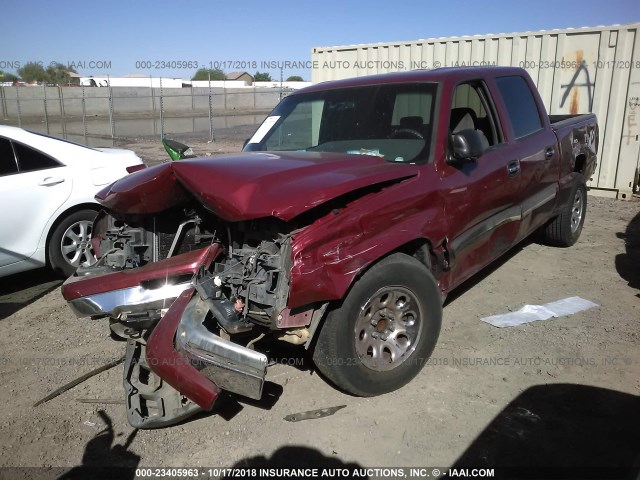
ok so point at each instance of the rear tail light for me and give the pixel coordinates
(135, 168)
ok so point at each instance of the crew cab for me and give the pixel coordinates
(348, 217)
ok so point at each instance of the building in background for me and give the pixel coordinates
(240, 76)
(581, 70)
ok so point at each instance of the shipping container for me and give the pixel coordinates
(577, 70)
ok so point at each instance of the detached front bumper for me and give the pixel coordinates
(170, 376)
(230, 366)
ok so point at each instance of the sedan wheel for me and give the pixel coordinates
(70, 243)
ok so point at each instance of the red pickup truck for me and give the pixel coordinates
(351, 213)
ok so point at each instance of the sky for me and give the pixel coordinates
(173, 39)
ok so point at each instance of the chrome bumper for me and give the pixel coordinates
(230, 366)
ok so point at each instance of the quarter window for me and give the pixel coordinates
(8, 163)
(30, 159)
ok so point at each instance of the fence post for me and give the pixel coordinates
(153, 96)
(84, 116)
(161, 111)
(46, 113)
(18, 106)
(111, 122)
(62, 112)
(211, 139)
(5, 114)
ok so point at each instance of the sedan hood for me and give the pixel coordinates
(252, 185)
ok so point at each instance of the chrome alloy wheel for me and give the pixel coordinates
(388, 328)
(577, 210)
(76, 245)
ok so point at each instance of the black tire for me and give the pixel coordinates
(347, 351)
(565, 229)
(65, 253)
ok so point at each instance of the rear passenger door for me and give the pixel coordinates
(33, 186)
(533, 144)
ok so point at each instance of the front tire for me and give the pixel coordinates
(70, 243)
(385, 330)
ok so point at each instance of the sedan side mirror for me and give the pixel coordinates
(467, 146)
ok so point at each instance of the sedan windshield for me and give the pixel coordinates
(393, 121)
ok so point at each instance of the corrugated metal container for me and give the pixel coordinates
(576, 70)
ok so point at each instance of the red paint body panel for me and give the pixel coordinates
(329, 255)
(187, 263)
(169, 365)
(252, 185)
(151, 190)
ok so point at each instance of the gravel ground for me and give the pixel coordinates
(560, 392)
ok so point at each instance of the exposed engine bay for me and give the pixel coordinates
(246, 286)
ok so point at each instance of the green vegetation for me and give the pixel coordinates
(7, 77)
(295, 78)
(262, 77)
(56, 73)
(203, 74)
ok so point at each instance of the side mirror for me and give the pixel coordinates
(467, 146)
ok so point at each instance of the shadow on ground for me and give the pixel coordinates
(19, 290)
(628, 263)
(104, 459)
(295, 459)
(561, 431)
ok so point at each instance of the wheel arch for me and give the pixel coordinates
(420, 248)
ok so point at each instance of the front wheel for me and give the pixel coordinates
(385, 330)
(70, 243)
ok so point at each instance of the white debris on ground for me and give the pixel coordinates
(533, 313)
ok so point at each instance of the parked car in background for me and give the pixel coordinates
(47, 205)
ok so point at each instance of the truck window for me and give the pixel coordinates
(300, 129)
(520, 105)
(393, 122)
(469, 110)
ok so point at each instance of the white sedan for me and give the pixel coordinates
(47, 205)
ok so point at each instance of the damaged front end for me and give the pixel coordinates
(192, 279)
(178, 301)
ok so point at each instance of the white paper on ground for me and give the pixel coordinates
(532, 313)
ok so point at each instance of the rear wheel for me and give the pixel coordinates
(70, 243)
(565, 229)
(385, 330)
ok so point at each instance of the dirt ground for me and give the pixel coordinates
(560, 392)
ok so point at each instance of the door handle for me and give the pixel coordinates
(549, 152)
(513, 168)
(49, 181)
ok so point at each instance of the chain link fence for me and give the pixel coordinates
(111, 112)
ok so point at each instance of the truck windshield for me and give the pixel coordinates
(393, 121)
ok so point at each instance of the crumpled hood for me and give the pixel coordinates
(251, 184)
